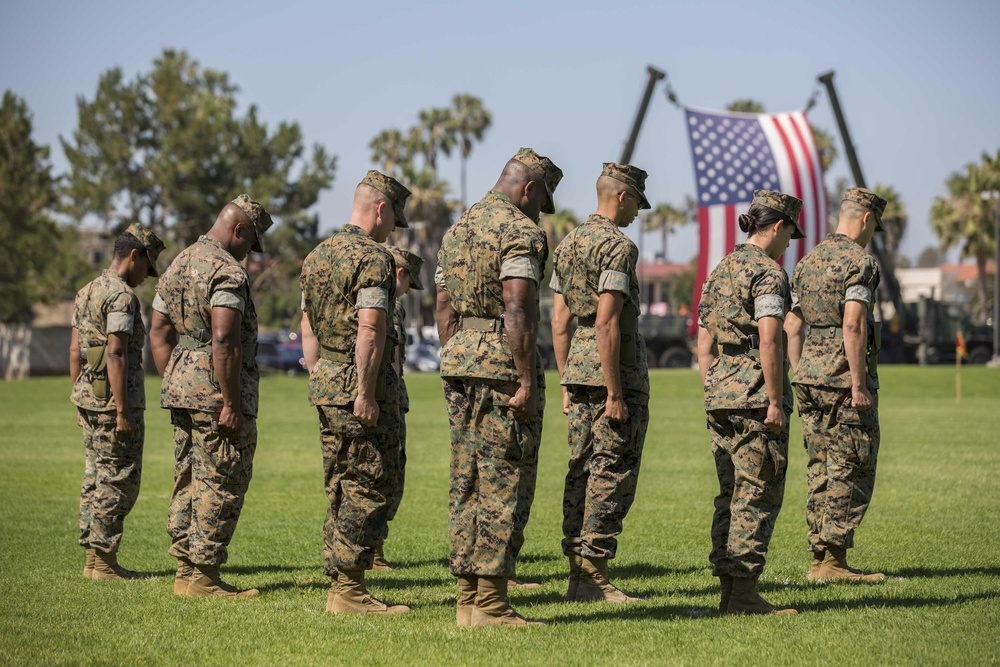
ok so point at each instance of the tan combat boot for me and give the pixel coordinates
(348, 595)
(106, 567)
(493, 608)
(746, 600)
(726, 586)
(88, 565)
(835, 568)
(185, 573)
(818, 557)
(467, 585)
(379, 563)
(206, 582)
(514, 582)
(595, 585)
(575, 570)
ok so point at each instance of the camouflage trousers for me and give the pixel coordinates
(212, 473)
(396, 496)
(359, 472)
(603, 471)
(751, 465)
(842, 447)
(494, 463)
(111, 476)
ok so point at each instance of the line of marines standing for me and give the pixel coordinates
(752, 331)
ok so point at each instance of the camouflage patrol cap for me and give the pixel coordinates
(785, 204)
(545, 169)
(391, 188)
(870, 201)
(633, 178)
(154, 246)
(409, 261)
(258, 216)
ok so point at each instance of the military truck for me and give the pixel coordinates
(931, 331)
(667, 342)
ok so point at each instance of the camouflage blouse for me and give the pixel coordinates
(745, 286)
(492, 241)
(399, 325)
(107, 305)
(202, 277)
(595, 258)
(345, 273)
(834, 272)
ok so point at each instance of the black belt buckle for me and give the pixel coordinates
(501, 324)
(753, 340)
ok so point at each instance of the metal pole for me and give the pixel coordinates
(996, 279)
(852, 157)
(654, 76)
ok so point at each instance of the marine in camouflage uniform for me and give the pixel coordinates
(834, 289)
(204, 340)
(747, 396)
(348, 289)
(109, 393)
(489, 269)
(407, 277)
(608, 394)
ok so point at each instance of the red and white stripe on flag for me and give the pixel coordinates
(734, 154)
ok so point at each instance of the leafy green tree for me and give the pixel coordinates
(470, 120)
(169, 150)
(680, 291)
(39, 259)
(964, 218)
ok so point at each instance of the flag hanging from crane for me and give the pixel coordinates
(736, 153)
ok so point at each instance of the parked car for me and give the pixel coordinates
(424, 356)
(281, 356)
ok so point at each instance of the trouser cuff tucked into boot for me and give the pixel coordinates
(185, 573)
(575, 571)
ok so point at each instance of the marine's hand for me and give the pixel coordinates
(861, 399)
(775, 420)
(565, 394)
(524, 403)
(615, 409)
(230, 420)
(79, 420)
(366, 410)
(125, 424)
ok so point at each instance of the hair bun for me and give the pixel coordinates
(747, 221)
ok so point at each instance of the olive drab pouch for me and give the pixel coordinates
(387, 351)
(97, 363)
(628, 325)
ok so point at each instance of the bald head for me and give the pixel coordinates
(515, 175)
(608, 188)
(850, 211)
(366, 197)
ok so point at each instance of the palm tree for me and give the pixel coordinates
(470, 119)
(390, 151)
(666, 218)
(436, 134)
(557, 225)
(894, 220)
(965, 218)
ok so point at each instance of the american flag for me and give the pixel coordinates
(737, 153)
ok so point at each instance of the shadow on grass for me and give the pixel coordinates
(930, 572)
(883, 601)
(258, 569)
(586, 613)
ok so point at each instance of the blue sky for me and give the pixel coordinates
(918, 80)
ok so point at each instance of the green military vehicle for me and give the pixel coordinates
(932, 329)
(667, 342)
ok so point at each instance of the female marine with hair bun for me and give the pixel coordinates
(748, 399)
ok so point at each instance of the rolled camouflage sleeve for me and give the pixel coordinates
(120, 314)
(230, 288)
(159, 305)
(861, 281)
(523, 252)
(375, 278)
(769, 292)
(617, 265)
(554, 283)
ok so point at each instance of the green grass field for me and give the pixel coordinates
(930, 528)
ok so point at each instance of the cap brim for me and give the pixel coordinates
(400, 218)
(797, 234)
(643, 202)
(550, 205)
(415, 281)
(878, 222)
(152, 266)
